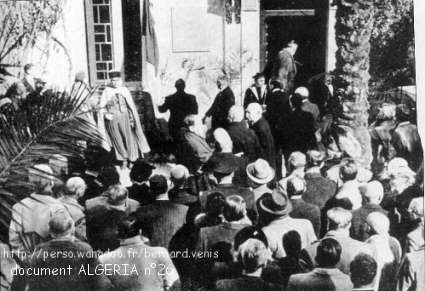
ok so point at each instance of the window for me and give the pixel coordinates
(102, 41)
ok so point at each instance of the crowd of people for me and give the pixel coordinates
(258, 200)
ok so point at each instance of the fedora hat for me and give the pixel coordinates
(276, 203)
(260, 172)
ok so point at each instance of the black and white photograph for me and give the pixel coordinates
(212, 145)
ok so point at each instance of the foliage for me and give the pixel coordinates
(392, 45)
(54, 125)
(22, 23)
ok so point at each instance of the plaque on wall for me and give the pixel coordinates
(250, 5)
(188, 30)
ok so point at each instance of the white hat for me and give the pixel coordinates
(260, 172)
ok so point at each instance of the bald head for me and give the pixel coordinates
(378, 222)
(75, 186)
(236, 114)
(296, 186)
(254, 112)
(373, 192)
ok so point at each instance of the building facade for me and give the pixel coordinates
(195, 42)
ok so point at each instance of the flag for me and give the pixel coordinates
(149, 40)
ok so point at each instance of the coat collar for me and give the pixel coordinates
(254, 91)
(325, 271)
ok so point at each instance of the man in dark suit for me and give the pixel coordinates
(301, 209)
(319, 189)
(257, 92)
(277, 103)
(298, 132)
(373, 194)
(221, 105)
(161, 219)
(254, 115)
(223, 166)
(244, 139)
(406, 140)
(180, 105)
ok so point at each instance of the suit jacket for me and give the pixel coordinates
(247, 283)
(358, 228)
(319, 189)
(220, 108)
(72, 254)
(244, 140)
(407, 144)
(102, 202)
(320, 279)
(161, 221)
(277, 103)
(298, 132)
(311, 108)
(180, 105)
(350, 249)
(411, 275)
(277, 228)
(311, 212)
(155, 270)
(264, 134)
(251, 96)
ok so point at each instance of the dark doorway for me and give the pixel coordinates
(308, 33)
(132, 32)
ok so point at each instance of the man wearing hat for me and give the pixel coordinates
(223, 167)
(257, 92)
(139, 176)
(260, 174)
(119, 124)
(180, 105)
(275, 208)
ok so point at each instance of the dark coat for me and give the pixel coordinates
(220, 108)
(193, 150)
(302, 209)
(144, 106)
(277, 104)
(264, 134)
(244, 140)
(319, 189)
(298, 132)
(358, 228)
(180, 105)
(407, 144)
(68, 255)
(251, 96)
(161, 220)
(247, 283)
(140, 193)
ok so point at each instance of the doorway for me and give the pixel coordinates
(309, 30)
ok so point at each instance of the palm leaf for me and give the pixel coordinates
(53, 125)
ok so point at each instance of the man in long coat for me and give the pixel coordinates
(262, 129)
(119, 124)
(221, 105)
(285, 69)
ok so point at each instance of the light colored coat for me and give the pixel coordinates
(148, 268)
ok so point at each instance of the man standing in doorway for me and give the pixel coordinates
(285, 69)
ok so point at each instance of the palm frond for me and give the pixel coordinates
(52, 126)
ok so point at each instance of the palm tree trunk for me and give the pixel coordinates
(353, 29)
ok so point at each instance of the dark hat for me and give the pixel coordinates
(141, 171)
(181, 196)
(114, 74)
(249, 232)
(276, 203)
(224, 163)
